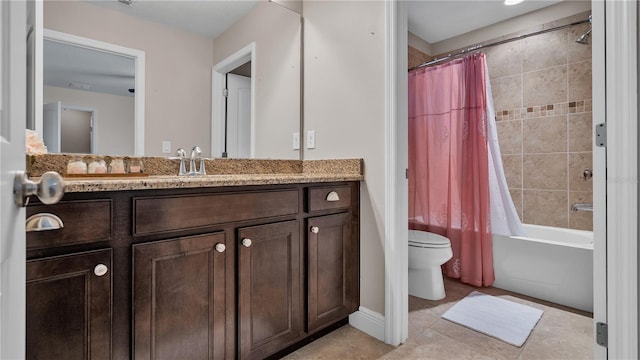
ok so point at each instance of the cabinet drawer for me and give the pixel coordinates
(330, 197)
(160, 214)
(84, 221)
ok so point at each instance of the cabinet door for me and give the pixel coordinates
(179, 298)
(269, 291)
(69, 306)
(333, 270)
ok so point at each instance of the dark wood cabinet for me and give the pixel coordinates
(179, 298)
(333, 270)
(269, 288)
(69, 306)
(199, 273)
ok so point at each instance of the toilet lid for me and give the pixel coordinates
(427, 239)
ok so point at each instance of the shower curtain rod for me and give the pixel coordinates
(482, 46)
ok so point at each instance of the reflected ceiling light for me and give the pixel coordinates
(512, 2)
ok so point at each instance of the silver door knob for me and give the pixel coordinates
(100, 270)
(315, 229)
(49, 189)
(220, 247)
(246, 242)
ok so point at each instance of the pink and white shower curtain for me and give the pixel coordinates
(454, 160)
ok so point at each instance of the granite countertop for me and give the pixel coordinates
(160, 173)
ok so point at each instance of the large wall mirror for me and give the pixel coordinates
(180, 42)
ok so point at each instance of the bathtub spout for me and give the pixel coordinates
(582, 207)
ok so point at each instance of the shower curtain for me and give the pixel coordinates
(452, 165)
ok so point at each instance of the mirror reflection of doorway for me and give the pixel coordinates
(68, 129)
(238, 114)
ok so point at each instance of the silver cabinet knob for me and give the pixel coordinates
(315, 229)
(220, 247)
(246, 242)
(49, 189)
(100, 269)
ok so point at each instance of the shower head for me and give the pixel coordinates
(584, 39)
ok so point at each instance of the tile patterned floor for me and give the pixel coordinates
(562, 333)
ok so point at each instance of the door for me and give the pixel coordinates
(13, 90)
(75, 131)
(238, 116)
(333, 270)
(179, 298)
(269, 291)
(51, 117)
(69, 306)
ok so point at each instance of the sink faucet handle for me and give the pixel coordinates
(182, 155)
(195, 154)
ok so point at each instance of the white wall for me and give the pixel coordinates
(115, 120)
(276, 32)
(344, 96)
(178, 69)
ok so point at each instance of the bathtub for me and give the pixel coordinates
(552, 264)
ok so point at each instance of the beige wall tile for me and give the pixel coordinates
(575, 51)
(512, 165)
(581, 220)
(544, 51)
(507, 92)
(578, 162)
(546, 208)
(504, 60)
(580, 81)
(580, 132)
(510, 136)
(545, 135)
(545, 171)
(547, 86)
(516, 196)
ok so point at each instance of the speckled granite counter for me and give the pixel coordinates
(222, 172)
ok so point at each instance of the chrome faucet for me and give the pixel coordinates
(195, 155)
(182, 155)
(582, 207)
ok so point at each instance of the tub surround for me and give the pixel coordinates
(222, 172)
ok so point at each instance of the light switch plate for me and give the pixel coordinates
(296, 141)
(311, 139)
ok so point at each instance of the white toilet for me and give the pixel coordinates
(427, 252)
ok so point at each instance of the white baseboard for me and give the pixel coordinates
(369, 322)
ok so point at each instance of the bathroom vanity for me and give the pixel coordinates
(158, 269)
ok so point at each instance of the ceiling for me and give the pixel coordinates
(207, 18)
(435, 21)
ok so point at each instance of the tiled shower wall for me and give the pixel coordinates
(542, 95)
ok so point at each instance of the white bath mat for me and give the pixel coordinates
(502, 319)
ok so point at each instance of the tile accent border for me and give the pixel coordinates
(572, 107)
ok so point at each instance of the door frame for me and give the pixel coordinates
(615, 201)
(137, 55)
(621, 115)
(247, 53)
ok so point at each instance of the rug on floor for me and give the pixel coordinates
(502, 319)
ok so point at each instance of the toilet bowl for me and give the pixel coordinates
(427, 252)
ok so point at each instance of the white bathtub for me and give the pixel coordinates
(552, 264)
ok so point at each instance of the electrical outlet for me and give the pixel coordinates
(296, 141)
(166, 147)
(311, 139)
